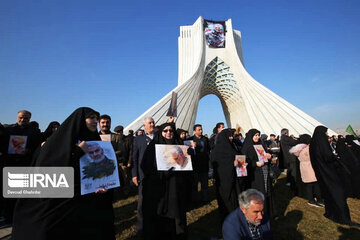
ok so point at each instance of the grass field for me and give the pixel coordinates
(295, 218)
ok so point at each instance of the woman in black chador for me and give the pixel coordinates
(222, 160)
(81, 217)
(351, 168)
(326, 167)
(52, 127)
(166, 194)
(258, 173)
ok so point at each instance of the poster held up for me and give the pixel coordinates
(172, 112)
(261, 153)
(98, 168)
(241, 170)
(172, 156)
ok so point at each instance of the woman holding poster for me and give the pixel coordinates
(222, 159)
(258, 167)
(81, 217)
(166, 194)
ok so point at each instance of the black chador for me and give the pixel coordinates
(222, 160)
(325, 166)
(81, 217)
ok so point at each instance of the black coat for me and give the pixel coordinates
(81, 217)
(325, 167)
(222, 160)
(258, 177)
(166, 194)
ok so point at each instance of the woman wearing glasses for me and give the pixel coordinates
(166, 193)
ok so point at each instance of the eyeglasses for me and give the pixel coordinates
(165, 131)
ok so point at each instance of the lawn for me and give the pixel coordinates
(295, 218)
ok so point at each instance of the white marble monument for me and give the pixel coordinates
(246, 103)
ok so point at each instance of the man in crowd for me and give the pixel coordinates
(126, 165)
(289, 160)
(248, 221)
(200, 163)
(120, 148)
(218, 128)
(139, 146)
(24, 139)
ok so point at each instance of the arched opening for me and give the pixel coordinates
(209, 113)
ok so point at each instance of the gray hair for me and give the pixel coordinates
(25, 112)
(147, 118)
(284, 131)
(176, 149)
(247, 196)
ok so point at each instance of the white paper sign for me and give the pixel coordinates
(172, 156)
(98, 168)
(241, 170)
(261, 153)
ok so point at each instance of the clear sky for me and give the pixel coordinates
(121, 57)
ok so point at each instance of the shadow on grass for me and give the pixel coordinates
(286, 226)
(282, 196)
(196, 202)
(349, 233)
(206, 227)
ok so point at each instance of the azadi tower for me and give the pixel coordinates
(207, 70)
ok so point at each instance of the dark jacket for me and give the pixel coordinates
(286, 143)
(235, 227)
(139, 148)
(32, 143)
(202, 151)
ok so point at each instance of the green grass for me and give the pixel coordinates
(295, 218)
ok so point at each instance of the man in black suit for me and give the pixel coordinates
(289, 159)
(140, 144)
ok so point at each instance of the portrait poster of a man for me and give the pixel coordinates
(214, 33)
(172, 156)
(98, 167)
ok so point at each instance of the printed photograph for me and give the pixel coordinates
(172, 156)
(241, 170)
(17, 144)
(214, 33)
(98, 167)
(261, 153)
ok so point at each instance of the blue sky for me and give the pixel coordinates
(121, 57)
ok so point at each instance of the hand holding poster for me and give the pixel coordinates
(261, 153)
(17, 144)
(172, 156)
(189, 143)
(98, 167)
(241, 170)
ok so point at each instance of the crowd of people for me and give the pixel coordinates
(323, 169)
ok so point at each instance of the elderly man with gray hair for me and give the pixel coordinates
(248, 222)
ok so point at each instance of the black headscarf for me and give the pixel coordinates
(58, 149)
(84, 217)
(159, 139)
(49, 130)
(165, 193)
(222, 158)
(353, 146)
(326, 168)
(248, 142)
(305, 138)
